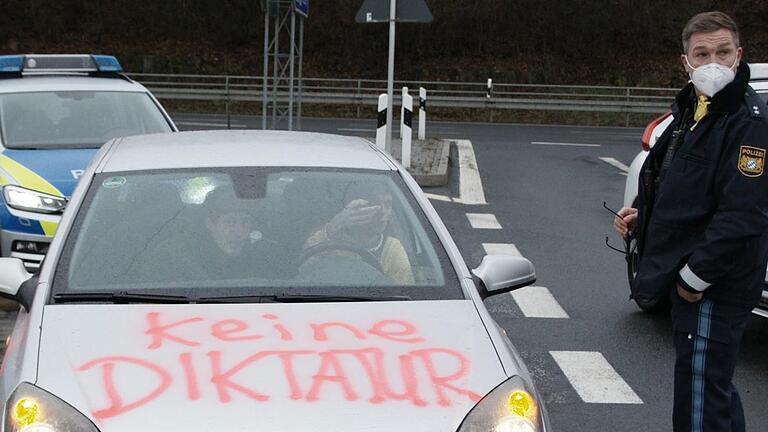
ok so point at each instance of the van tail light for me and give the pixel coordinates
(649, 130)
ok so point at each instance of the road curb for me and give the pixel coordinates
(436, 172)
(430, 160)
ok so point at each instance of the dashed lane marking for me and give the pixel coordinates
(613, 162)
(533, 301)
(501, 249)
(594, 379)
(538, 302)
(483, 221)
(563, 144)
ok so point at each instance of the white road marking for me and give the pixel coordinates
(501, 249)
(594, 379)
(438, 197)
(207, 124)
(563, 144)
(483, 221)
(470, 185)
(538, 302)
(613, 162)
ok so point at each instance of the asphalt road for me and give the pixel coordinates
(545, 185)
(548, 200)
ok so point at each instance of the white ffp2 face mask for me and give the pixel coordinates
(712, 77)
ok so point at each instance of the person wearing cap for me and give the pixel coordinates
(702, 222)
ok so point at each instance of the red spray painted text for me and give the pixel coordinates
(420, 376)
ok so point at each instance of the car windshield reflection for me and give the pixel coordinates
(76, 119)
(254, 231)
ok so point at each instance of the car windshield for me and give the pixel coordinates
(254, 232)
(76, 119)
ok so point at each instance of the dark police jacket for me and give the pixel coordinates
(703, 223)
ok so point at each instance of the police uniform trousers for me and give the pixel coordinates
(707, 335)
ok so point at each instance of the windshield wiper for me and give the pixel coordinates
(119, 297)
(132, 297)
(299, 298)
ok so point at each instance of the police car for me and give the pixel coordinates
(759, 82)
(127, 327)
(55, 112)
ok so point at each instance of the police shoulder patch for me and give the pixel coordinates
(751, 161)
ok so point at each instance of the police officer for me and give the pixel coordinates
(702, 222)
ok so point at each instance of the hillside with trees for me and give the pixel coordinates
(609, 42)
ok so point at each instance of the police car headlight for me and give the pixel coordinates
(510, 407)
(32, 409)
(29, 200)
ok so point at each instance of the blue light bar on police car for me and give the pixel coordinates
(11, 63)
(59, 63)
(107, 63)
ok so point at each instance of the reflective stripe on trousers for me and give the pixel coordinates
(698, 366)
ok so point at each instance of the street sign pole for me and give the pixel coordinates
(375, 11)
(390, 74)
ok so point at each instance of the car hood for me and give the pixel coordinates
(287, 367)
(60, 168)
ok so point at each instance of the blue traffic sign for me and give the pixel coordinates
(302, 7)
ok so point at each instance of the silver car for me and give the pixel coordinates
(257, 280)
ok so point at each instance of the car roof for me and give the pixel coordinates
(37, 83)
(229, 148)
(758, 71)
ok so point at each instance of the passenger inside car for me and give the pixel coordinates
(231, 246)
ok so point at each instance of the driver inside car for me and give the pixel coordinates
(361, 230)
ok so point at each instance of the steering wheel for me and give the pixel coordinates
(325, 246)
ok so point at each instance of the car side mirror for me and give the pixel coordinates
(13, 282)
(503, 273)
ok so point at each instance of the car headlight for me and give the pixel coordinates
(27, 199)
(32, 409)
(510, 407)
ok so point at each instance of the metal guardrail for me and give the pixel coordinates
(364, 93)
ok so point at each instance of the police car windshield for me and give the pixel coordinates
(76, 119)
(255, 231)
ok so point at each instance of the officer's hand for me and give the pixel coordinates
(627, 221)
(688, 296)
